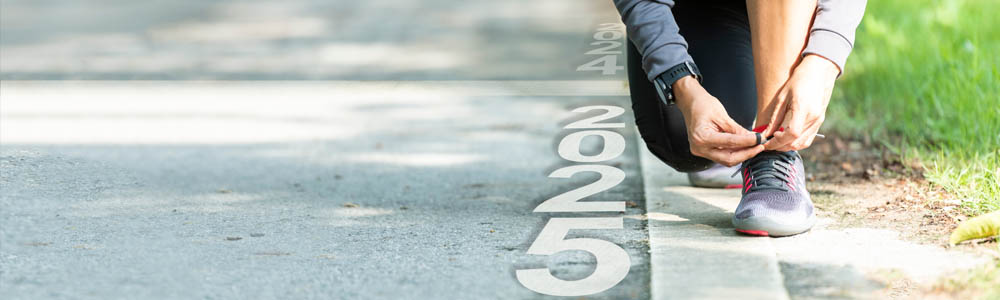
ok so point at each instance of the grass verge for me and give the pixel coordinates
(923, 82)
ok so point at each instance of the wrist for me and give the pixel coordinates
(685, 91)
(815, 64)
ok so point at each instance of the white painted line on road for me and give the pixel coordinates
(326, 89)
(224, 112)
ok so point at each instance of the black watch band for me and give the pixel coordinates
(664, 83)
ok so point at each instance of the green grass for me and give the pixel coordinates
(923, 82)
(982, 282)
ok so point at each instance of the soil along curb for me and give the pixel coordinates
(694, 251)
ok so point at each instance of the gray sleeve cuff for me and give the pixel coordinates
(829, 45)
(659, 60)
(654, 33)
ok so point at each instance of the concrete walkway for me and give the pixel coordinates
(696, 254)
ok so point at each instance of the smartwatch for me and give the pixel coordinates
(665, 82)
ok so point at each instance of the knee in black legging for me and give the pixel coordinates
(682, 161)
(718, 36)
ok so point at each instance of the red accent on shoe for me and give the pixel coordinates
(748, 188)
(753, 232)
(791, 178)
(733, 186)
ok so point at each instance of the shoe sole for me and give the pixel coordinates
(763, 226)
(713, 183)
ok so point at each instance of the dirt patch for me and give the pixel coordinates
(861, 185)
(900, 204)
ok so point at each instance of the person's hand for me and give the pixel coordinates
(801, 104)
(711, 132)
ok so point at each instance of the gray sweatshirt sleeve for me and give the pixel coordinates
(651, 27)
(832, 34)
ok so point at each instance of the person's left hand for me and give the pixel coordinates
(801, 104)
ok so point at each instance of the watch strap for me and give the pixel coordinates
(664, 83)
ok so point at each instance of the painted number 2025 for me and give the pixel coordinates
(612, 261)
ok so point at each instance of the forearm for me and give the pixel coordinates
(776, 53)
(652, 29)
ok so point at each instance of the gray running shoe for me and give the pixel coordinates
(775, 201)
(718, 176)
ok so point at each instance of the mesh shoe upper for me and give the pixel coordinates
(774, 188)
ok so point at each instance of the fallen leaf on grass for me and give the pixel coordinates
(984, 226)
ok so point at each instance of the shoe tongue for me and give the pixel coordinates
(767, 173)
(770, 179)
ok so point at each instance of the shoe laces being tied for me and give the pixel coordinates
(769, 170)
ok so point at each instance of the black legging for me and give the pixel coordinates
(718, 36)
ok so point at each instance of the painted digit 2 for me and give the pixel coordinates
(612, 261)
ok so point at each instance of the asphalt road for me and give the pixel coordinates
(298, 39)
(258, 190)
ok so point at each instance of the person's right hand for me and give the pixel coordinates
(711, 132)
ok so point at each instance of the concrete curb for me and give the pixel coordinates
(694, 251)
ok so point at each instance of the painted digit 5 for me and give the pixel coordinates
(612, 261)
